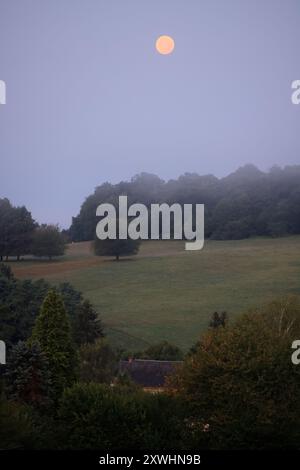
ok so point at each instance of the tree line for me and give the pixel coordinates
(20, 235)
(246, 203)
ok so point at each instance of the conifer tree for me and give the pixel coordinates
(52, 331)
(27, 377)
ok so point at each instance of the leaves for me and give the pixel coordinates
(241, 380)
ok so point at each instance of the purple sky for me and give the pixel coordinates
(90, 100)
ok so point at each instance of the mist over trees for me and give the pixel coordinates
(246, 203)
(237, 388)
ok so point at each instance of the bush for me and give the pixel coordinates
(16, 427)
(96, 416)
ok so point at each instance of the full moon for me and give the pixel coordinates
(165, 45)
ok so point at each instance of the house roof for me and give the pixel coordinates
(148, 373)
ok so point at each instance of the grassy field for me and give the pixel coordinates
(167, 293)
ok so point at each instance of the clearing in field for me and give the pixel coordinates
(168, 293)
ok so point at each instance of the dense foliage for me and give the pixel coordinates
(86, 324)
(16, 426)
(48, 241)
(241, 386)
(98, 362)
(96, 416)
(237, 389)
(116, 247)
(16, 230)
(20, 302)
(163, 351)
(20, 235)
(27, 376)
(246, 203)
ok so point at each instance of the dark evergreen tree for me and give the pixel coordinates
(72, 297)
(87, 326)
(27, 376)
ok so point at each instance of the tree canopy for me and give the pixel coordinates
(246, 203)
(116, 247)
(16, 230)
(240, 383)
(48, 241)
(21, 301)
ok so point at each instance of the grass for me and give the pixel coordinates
(167, 293)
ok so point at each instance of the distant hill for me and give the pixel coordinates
(245, 203)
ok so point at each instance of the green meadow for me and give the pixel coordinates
(167, 293)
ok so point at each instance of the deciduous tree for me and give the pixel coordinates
(48, 241)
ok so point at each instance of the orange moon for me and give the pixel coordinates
(165, 45)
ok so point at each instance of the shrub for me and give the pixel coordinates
(96, 416)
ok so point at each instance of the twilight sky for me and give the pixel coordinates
(90, 100)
